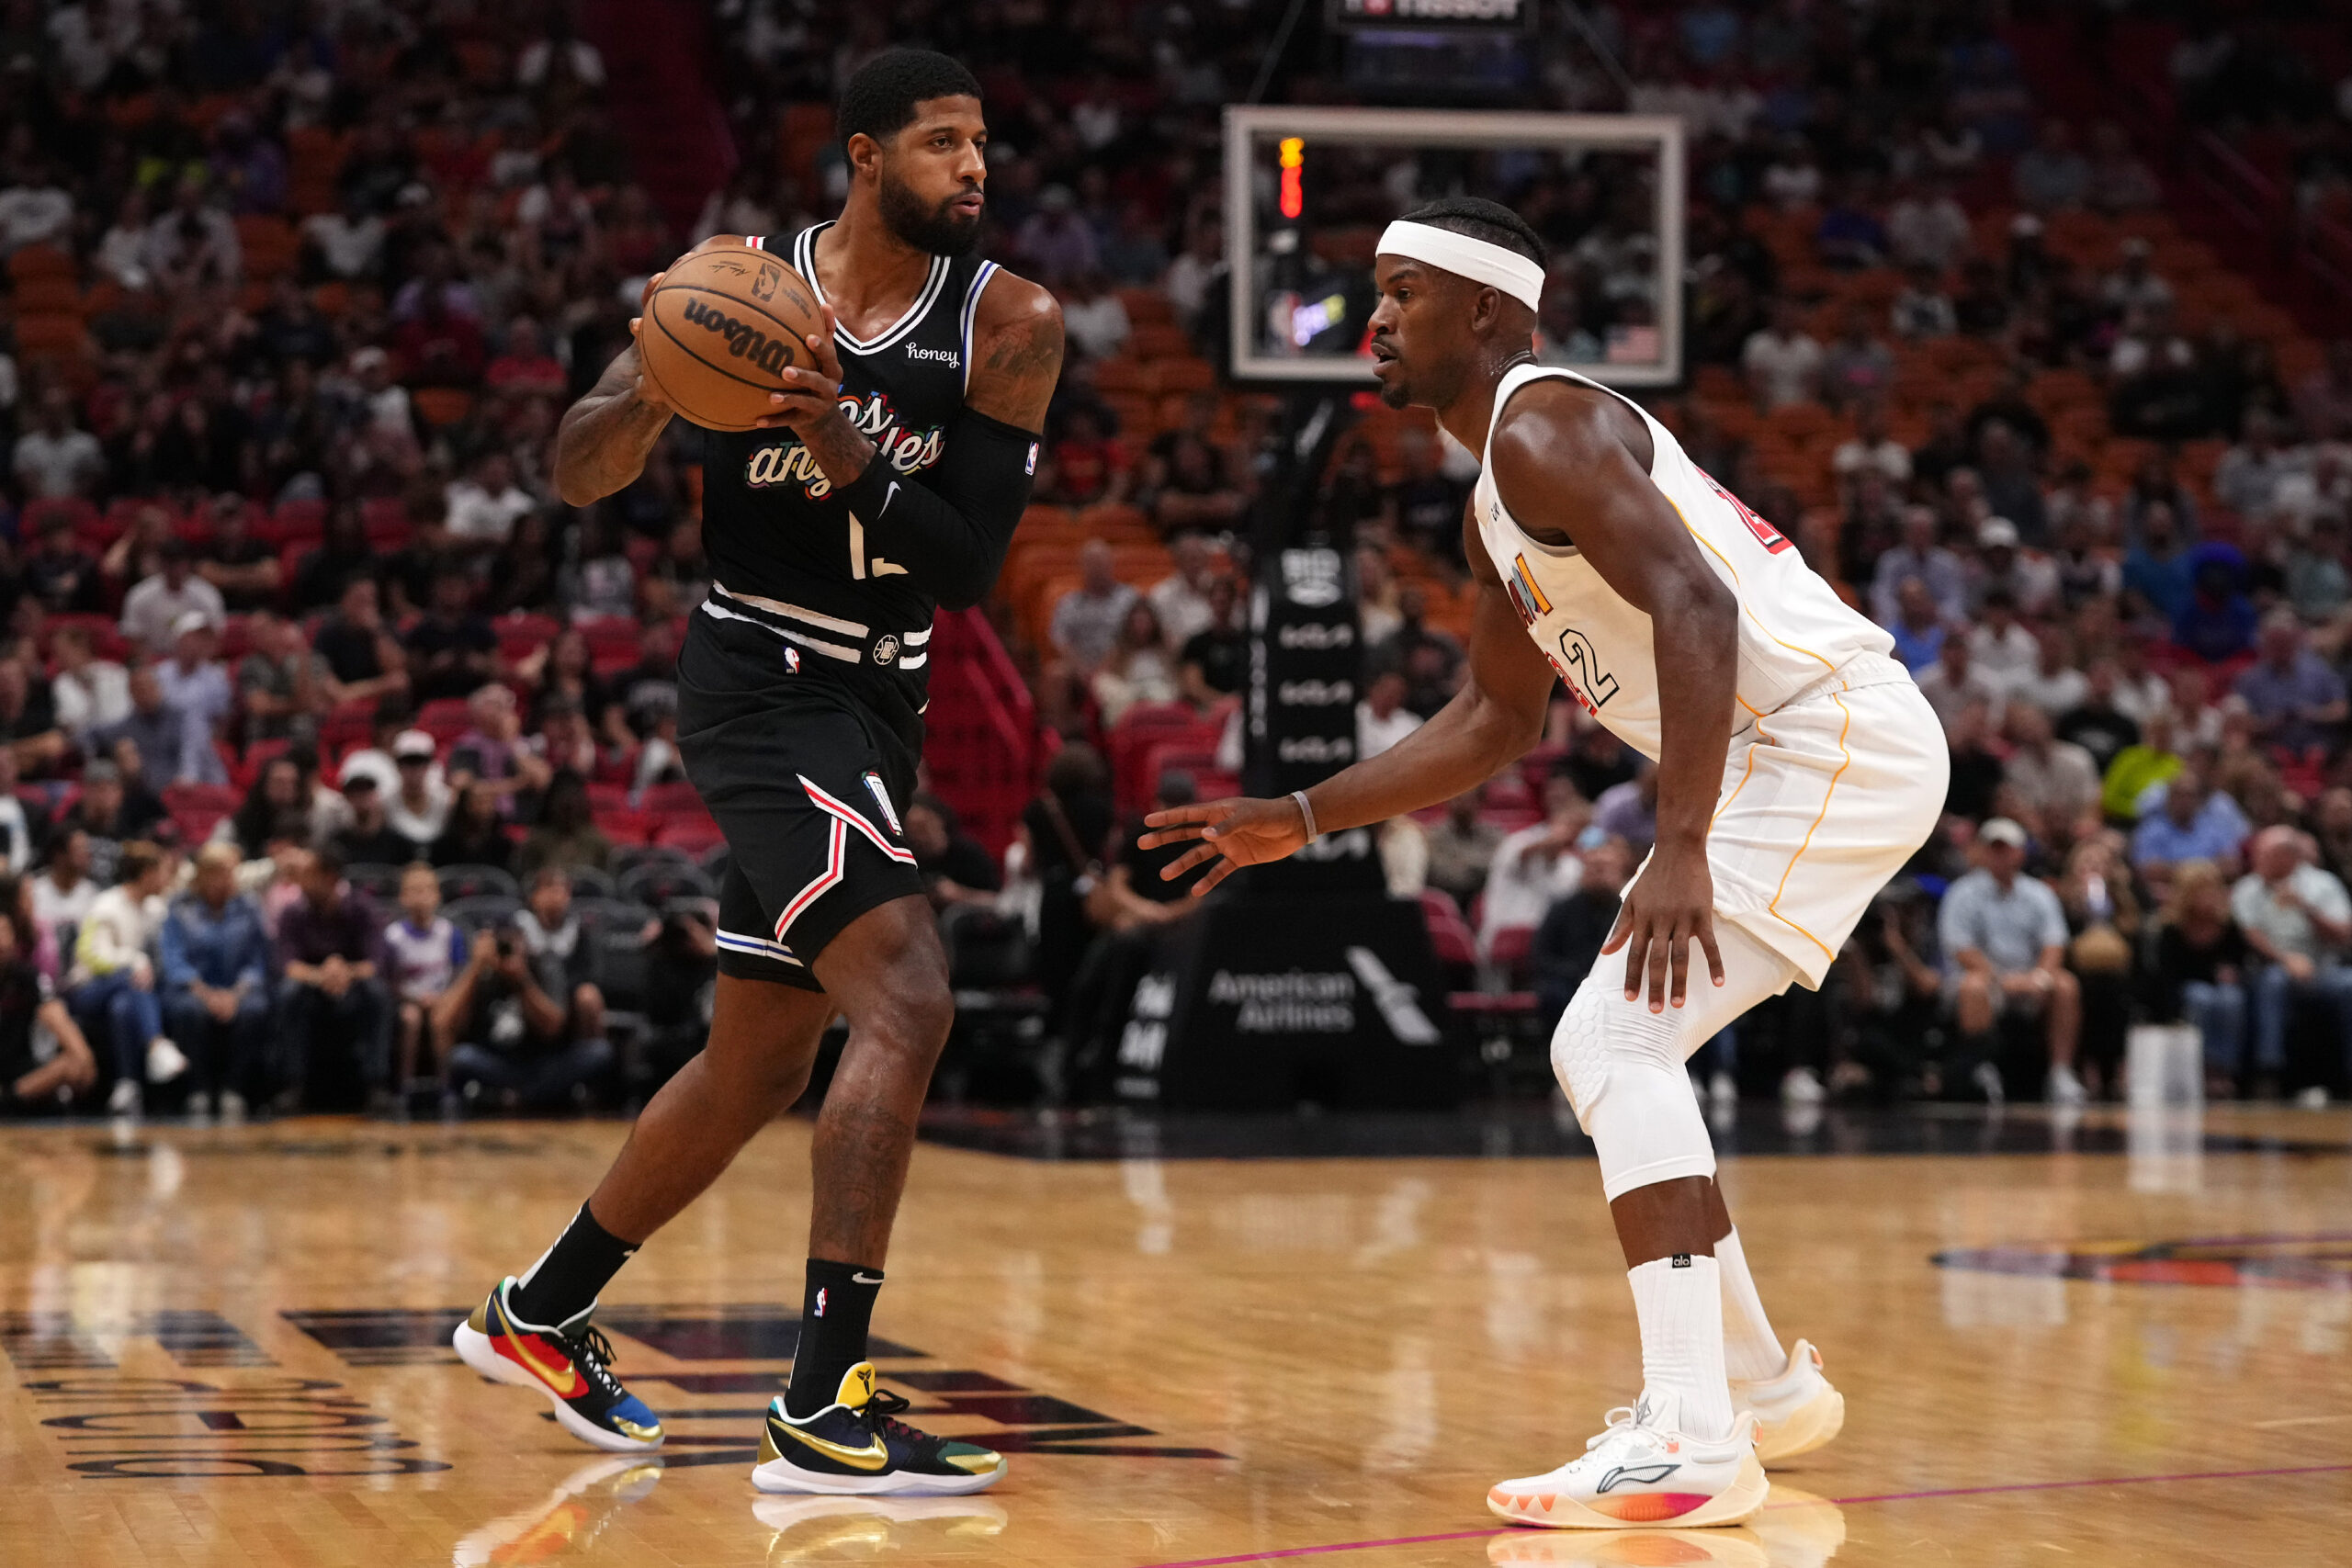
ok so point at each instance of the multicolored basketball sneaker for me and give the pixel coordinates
(853, 1447)
(570, 1363)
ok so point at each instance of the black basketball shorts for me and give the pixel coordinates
(811, 795)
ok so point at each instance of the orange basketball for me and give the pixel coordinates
(720, 331)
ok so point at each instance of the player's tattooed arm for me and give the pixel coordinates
(1016, 353)
(602, 443)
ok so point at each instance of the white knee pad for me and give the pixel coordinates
(1621, 1064)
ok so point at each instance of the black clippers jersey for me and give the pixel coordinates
(786, 554)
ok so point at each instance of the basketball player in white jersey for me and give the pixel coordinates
(1798, 768)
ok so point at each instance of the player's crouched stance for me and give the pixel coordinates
(1798, 768)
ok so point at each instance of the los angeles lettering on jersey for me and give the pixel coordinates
(789, 462)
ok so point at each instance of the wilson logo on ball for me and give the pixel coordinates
(744, 341)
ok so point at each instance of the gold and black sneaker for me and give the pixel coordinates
(854, 1448)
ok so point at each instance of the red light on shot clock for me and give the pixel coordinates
(1294, 159)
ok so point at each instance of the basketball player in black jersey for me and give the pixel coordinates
(888, 482)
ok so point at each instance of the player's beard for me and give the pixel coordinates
(940, 230)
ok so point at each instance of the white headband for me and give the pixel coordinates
(1474, 259)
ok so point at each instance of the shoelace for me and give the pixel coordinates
(591, 1351)
(1621, 1417)
(879, 1410)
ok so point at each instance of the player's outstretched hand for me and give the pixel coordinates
(1233, 833)
(816, 388)
(1669, 906)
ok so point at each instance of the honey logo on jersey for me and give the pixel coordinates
(907, 451)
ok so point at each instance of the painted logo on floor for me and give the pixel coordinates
(2316, 1262)
(274, 1424)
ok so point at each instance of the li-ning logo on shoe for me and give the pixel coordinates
(889, 814)
(1641, 1474)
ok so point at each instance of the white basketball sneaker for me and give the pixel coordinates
(1796, 1411)
(1643, 1470)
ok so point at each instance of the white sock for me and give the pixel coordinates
(1679, 1302)
(1752, 1350)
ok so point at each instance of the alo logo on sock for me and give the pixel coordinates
(1681, 1260)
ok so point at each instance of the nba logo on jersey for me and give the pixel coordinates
(882, 799)
(821, 1302)
(1030, 467)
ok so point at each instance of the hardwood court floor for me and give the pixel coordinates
(229, 1346)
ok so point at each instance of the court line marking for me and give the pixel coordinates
(1338, 1546)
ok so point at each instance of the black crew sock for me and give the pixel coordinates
(834, 1314)
(567, 1281)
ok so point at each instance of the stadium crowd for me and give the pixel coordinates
(340, 760)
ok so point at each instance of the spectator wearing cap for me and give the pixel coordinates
(369, 839)
(331, 998)
(2185, 819)
(111, 814)
(155, 606)
(2028, 580)
(2298, 920)
(196, 682)
(214, 968)
(418, 804)
(2004, 938)
(2297, 702)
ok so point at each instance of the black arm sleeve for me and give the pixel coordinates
(950, 530)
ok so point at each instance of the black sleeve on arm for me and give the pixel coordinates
(951, 531)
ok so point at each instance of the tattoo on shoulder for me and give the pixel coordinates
(1024, 360)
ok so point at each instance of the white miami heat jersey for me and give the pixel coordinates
(1795, 632)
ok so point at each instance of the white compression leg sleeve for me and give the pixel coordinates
(1621, 1064)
